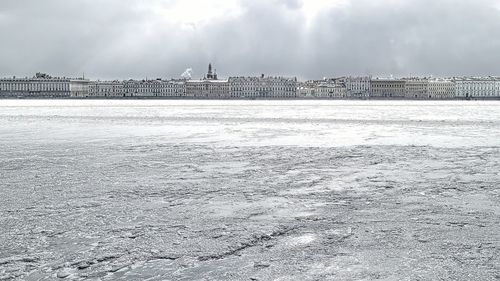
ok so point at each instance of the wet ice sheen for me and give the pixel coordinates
(255, 123)
(242, 190)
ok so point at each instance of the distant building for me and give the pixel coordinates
(329, 90)
(358, 87)
(335, 91)
(263, 87)
(210, 87)
(104, 89)
(471, 87)
(304, 91)
(157, 88)
(79, 88)
(441, 89)
(416, 88)
(43, 86)
(175, 88)
(387, 88)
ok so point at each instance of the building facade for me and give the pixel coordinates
(477, 87)
(104, 89)
(358, 87)
(154, 88)
(329, 90)
(263, 87)
(207, 89)
(441, 89)
(387, 88)
(43, 86)
(79, 88)
(210, 87)
(416, 88)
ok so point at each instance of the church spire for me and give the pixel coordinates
(210, 74)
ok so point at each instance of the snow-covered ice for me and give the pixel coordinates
(249, 190)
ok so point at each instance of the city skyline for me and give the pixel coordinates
(311, 39)
(257, 87)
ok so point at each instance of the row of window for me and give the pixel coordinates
(34, 87)
(154, 86)
(35, 94)
(262, 89)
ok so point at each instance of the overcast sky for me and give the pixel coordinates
(120, 39)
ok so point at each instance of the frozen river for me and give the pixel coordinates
(249, 190)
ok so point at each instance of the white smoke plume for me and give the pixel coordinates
(187, 73)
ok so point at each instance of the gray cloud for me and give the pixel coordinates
(128, 39)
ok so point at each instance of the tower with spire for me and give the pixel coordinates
(211, 75)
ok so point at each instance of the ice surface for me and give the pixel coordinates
(249, 190)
